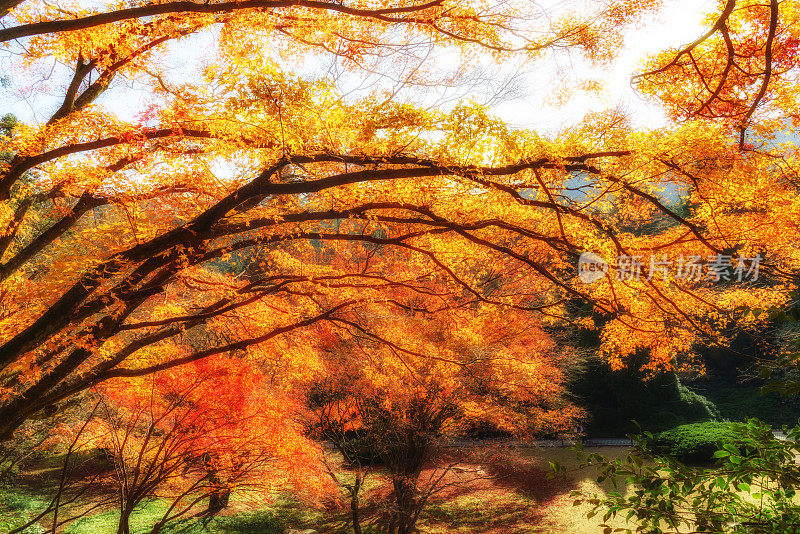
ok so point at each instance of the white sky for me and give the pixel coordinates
(679, 22)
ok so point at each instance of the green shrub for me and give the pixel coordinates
(693, 402)
(751, 489)
(696, 442)
(663, 419)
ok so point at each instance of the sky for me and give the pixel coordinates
(679, 23)
(529, 105)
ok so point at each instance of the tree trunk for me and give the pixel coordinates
(124, 522)
(354, 505)
(220, 495)
(406, 503)
(218, 500)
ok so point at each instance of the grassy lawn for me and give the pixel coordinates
(17, 507)
(492, 491)
(273, 520)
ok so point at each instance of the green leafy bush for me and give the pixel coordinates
(693, 401)
(696, 442)
(751, 489)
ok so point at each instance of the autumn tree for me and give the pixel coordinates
(244, 153)
(303, 156)
(76, 479)
(401, 379)
(199, 432)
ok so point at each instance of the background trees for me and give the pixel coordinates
(201, 431)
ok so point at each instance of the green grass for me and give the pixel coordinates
(493, 509)
(276, 519)
(18, 507)
(142, 520)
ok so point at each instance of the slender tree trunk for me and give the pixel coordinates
(354, 504)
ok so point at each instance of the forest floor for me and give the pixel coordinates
(492, 490)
